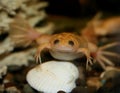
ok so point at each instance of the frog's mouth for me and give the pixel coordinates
(64, 50)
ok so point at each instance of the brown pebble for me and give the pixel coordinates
(9, 84)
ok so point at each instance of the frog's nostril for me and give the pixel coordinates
(56, 41)
(71, 43)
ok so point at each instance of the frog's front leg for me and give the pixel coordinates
(39, 50)
(86, 52)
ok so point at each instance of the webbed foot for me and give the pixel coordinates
(100, 55)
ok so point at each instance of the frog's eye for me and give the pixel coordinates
(71, 43)
(56, 41)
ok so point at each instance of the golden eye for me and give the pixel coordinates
(56, 41)
(71, 43)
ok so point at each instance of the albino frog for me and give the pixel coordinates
(62, 46)
(65, 46)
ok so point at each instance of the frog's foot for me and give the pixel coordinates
(38, 58)
(22, 33)
(100, 55)
(86, 52)
(89, 62)
(21, 40)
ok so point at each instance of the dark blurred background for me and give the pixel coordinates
(82, 8)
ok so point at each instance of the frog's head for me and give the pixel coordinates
(65, 42)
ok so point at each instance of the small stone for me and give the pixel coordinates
(12, 89)
(27, 89)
